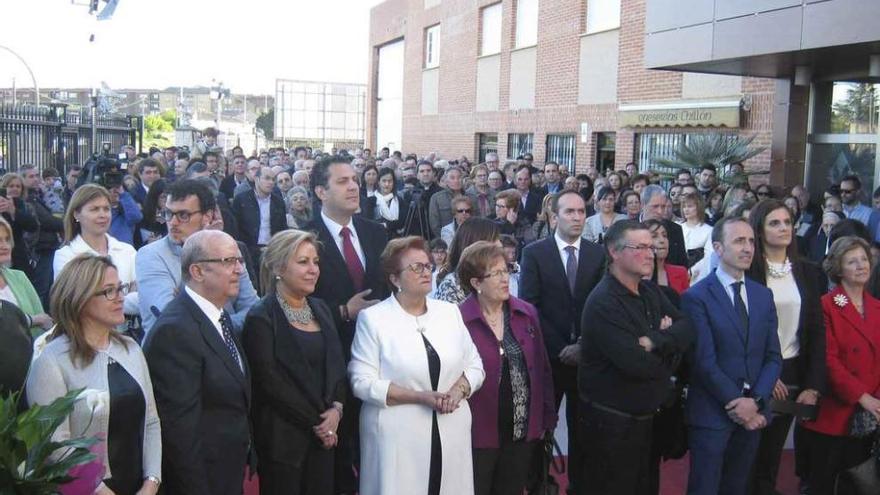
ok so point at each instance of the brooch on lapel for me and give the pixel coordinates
(531, 331)
(841, 300)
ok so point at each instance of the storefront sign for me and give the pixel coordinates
(703, 114)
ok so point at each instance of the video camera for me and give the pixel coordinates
(103, 169)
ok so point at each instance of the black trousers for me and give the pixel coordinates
(565, 384)
(617, 459)
(830, 455)
(314, 477)
(348, 448)
(766, 468)
(505, 470)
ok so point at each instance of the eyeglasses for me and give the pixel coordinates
(420, 268)
(184, 216)
(113, 293)
(641, 249)
(229, 262)
(498, 274)
(464, 210)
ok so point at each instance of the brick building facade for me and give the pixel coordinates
(580, 72)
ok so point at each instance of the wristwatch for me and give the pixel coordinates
(759, 401)
(154, 479)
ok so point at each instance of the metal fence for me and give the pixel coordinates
(59, 136)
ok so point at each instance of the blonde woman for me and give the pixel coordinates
(85, 352)
(86, 231)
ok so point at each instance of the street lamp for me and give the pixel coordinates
(26, 66)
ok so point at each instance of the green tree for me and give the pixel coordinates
(857, 112)
(721, 150)
(266, 122)
(155, 123)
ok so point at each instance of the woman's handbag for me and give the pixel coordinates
(863, 479)
(550, 455)
(863, 423)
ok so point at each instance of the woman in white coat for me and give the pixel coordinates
(414, 365)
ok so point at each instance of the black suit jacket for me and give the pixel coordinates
(228, 185)
(288, 395)
(677, 252)
(335, 286)
(533, 205)
(544, 284)
(203, 398)
(247, 215)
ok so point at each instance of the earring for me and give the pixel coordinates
(479, 291)
(399, 289)
(277, 277)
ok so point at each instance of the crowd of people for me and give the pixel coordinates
(347, 322)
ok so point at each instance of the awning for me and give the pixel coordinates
(724, 113)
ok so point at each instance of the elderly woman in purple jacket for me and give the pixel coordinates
(515, 407)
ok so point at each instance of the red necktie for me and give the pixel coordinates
(352, 262)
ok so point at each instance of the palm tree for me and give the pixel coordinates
(721, 150)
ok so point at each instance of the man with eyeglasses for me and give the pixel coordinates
(201, 377)
(655, 206)
(850, 195)
(557, 275)
(190, 207)
(630, 335)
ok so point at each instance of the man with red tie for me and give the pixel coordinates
(351, 278)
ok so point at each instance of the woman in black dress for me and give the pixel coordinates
(298, 370)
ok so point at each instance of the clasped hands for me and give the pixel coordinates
(744, 412)
(326, 431)
(443, 403)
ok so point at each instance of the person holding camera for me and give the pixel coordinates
(126, 213)
(42, 243)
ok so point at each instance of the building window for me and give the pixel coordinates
(561, 149)
(486, 143)
(605, 146)
(490, 30)
(526, 23)
(519, 144)
(602, 15)
(432, 47)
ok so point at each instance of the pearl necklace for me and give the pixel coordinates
(779, 271)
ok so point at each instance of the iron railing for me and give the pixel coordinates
(58, 136)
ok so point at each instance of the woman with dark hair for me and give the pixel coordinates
(631, 204)
(153, 225)
(764, 191)
(605, 217)
(666, 275)
(797, 287)
(472, 230)
(21, 219)
(369, 188)
(390, 210)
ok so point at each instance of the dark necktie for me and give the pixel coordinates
(226, 326)
(352, 261)
(739, 305)
(571, 267)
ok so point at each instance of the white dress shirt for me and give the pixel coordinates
(726, 280)
(563, 254)
(212, 312)
(335, 229)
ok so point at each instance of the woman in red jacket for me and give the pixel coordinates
(673, 276)
(852, 323)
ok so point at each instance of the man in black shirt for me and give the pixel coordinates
(630, 336)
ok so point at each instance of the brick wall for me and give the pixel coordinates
(453, 131)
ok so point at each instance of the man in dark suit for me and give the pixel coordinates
(259, 213)
(552, 179)
(654, 206)
(735, 365)
(531, 198)
(351, 278)
(200, 375)
(148, 171)
(236, 178)
(557, 275)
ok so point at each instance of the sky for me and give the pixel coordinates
(161, 43)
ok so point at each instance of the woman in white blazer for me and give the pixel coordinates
(414, 365)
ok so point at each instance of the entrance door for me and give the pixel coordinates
(389, 89)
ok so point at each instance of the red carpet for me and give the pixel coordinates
(673, 477)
